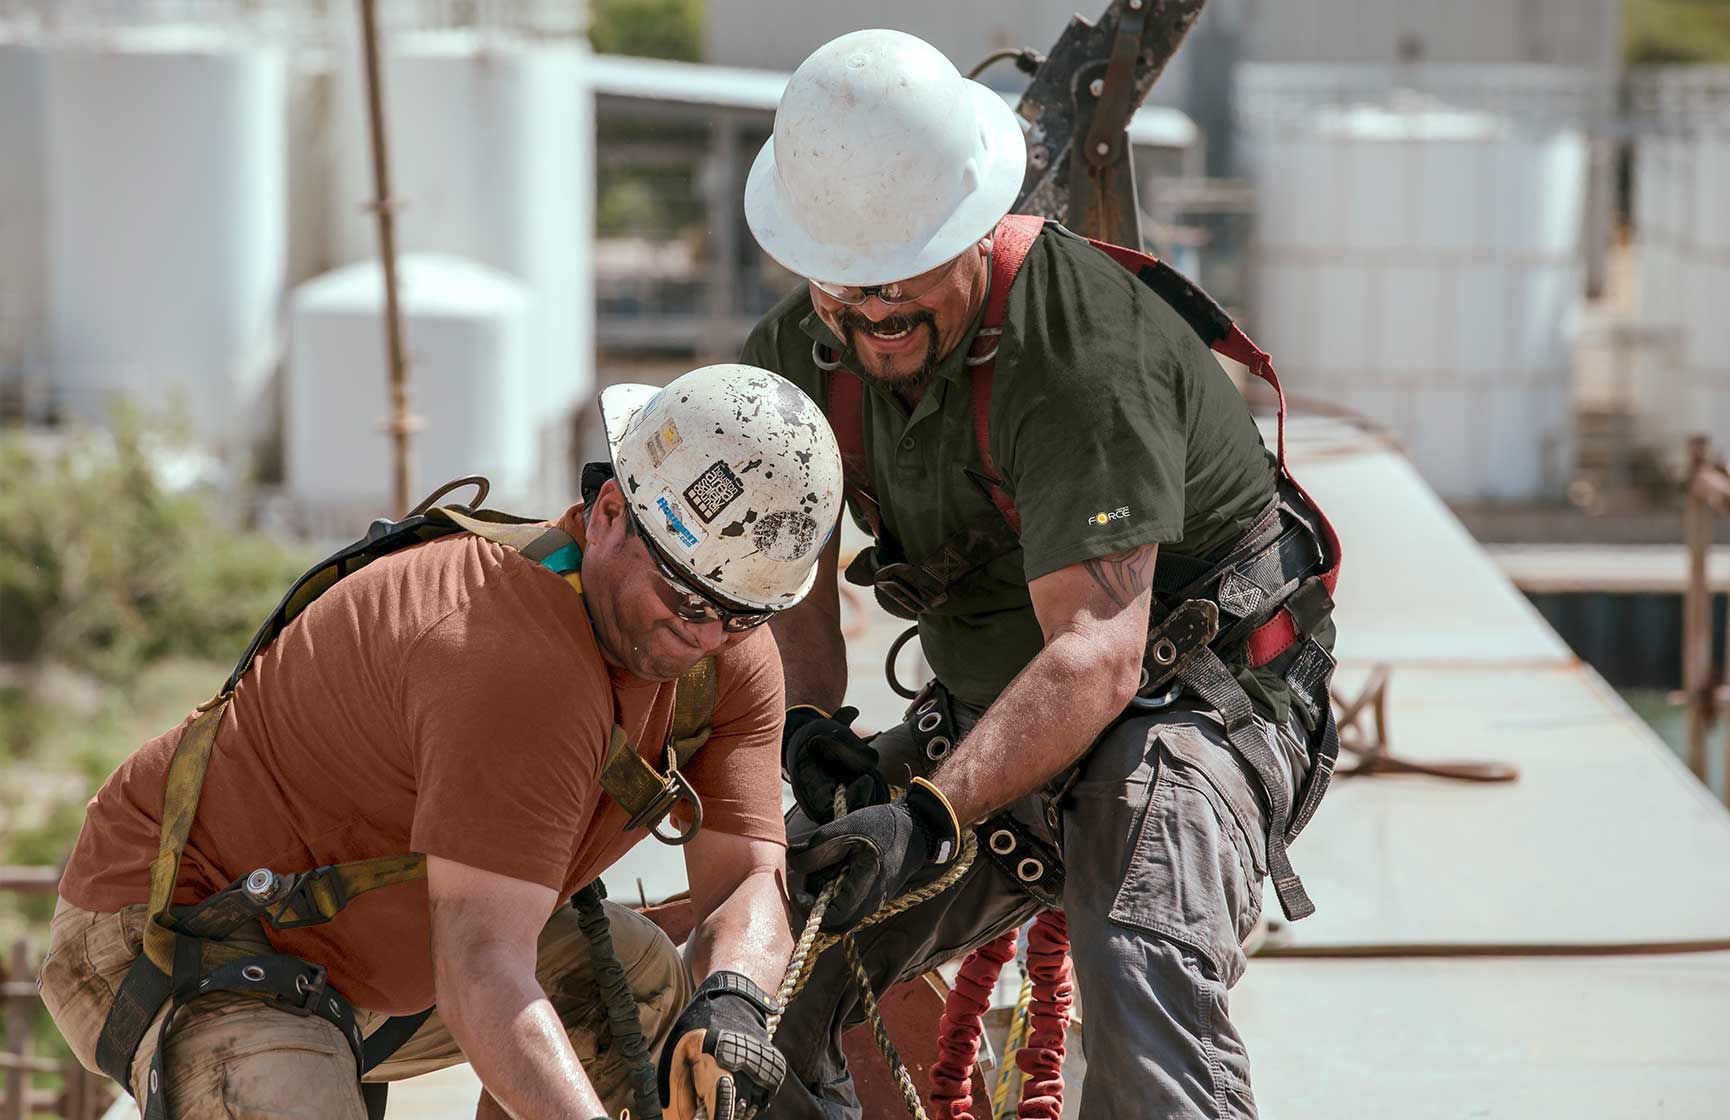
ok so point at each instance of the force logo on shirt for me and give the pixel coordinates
(1107, 516)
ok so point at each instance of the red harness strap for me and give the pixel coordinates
(1011, 242)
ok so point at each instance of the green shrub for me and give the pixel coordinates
(104, 569)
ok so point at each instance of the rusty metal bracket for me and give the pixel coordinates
(1096, 76)
(1370, 745)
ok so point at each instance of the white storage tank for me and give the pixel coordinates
(166, 230)
(22, 214)
(466, 336)
(492, 157)
(1417, 258)
(1682, 226)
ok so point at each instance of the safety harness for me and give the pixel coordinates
(1262, 600)
(186, 954)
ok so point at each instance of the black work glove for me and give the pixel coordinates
(820, 754)
(876, 851)
(719, 1056)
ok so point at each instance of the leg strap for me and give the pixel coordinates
(1207, 676)
(296, 986)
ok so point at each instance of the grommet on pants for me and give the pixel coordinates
(1163, 818)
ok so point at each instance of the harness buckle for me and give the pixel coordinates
(674, 789)
(898, 584)
(298, 899)
(308, 990)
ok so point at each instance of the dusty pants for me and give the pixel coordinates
(236, 1056)
(1163, 843)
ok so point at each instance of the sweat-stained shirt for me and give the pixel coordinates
(448, 699)
(1111, 423)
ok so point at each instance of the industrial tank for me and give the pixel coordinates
(466, 337)
(21, 218)
(492, 156)
(1417, 257)
(163, 157)
(1682, 226)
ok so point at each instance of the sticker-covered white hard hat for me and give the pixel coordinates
(734, 474)
(885, 162)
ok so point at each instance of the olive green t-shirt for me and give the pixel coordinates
(1111, 424)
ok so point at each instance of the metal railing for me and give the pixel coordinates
(81, 1095)
(1706, 488)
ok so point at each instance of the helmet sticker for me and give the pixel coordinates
(664, 442)
(678, 522)
(713, 491)
(785, 535)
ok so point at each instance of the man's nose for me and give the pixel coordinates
(711, 635)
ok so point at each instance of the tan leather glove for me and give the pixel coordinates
(719, 1063)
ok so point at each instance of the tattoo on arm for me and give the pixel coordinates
(1124, 576)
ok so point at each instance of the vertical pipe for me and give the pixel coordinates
(399, 424)
(724, 276)
(18, 1008)
(1696, 609)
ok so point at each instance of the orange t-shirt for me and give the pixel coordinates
(447, 699)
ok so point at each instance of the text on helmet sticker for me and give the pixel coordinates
(663, 442)
(713, 491)
(678, 522)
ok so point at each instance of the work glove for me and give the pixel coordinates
(719, 1057)
(876, 851)
(820, 753)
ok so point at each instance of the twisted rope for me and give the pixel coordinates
(813, 943)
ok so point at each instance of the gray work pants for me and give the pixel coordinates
(1163, 841)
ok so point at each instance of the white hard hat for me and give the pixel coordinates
(733, 474)
(885, 162)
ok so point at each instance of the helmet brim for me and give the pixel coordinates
(1002, 170)
(619, 403)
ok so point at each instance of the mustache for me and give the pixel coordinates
(852, 320)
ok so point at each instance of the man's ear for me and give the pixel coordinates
(607, 512)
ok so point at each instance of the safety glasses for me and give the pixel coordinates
(690, 604)
(899, 291)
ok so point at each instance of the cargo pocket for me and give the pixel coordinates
(1195, 869)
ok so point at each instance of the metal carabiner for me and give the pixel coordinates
(674, 790)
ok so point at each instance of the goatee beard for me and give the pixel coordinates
(916, 380)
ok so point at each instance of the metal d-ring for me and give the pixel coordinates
(480, 484)
(937, 748)
(1002, 841)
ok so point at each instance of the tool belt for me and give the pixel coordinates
(186, 955)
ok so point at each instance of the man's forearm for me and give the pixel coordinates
(1045, 720)
(747, 933)
(510, 1033)
(813, 655)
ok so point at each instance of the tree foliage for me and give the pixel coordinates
(1677, 31)
(648, 28)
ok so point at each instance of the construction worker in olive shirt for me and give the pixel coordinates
(1119, 437)
(456, 699)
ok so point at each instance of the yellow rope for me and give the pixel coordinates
(1008, 1075)
(813, 944)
